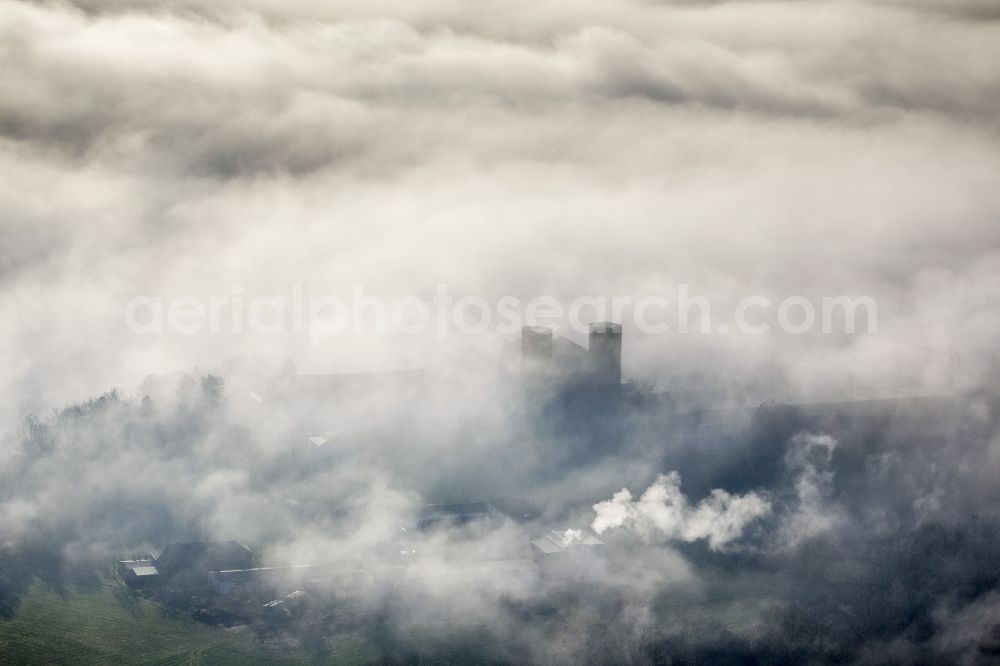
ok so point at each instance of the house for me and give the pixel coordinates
(139, 573)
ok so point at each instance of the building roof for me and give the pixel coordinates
(605, 327)
(317, 440)
(437, 514)
(132, 565)
(464, 509)
(575, 538)
(546, 546)
(145, 571)
(557, 541)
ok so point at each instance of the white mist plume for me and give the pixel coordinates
(810, 458)
(664, 511)
(570, 537)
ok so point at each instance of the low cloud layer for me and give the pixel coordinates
(621, 148)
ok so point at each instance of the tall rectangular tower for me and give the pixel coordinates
(605, 353)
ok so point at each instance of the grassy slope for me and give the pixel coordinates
(108, 624)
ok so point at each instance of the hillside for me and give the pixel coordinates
(105, 623)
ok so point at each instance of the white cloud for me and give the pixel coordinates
(664, 512)
(813, 511)
(745, 148)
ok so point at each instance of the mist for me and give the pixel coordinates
(782, 496)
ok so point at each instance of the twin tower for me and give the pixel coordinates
(602, 360)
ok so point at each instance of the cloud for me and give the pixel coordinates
(158, 150)
(813, 511)
(567, 148)
(664, 512)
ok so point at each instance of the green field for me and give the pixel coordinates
(107, 624)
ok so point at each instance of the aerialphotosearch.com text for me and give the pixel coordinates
(318, 316)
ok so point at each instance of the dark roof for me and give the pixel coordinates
(605, 327)
(456, 510)
(207, 555)
(436, 515)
